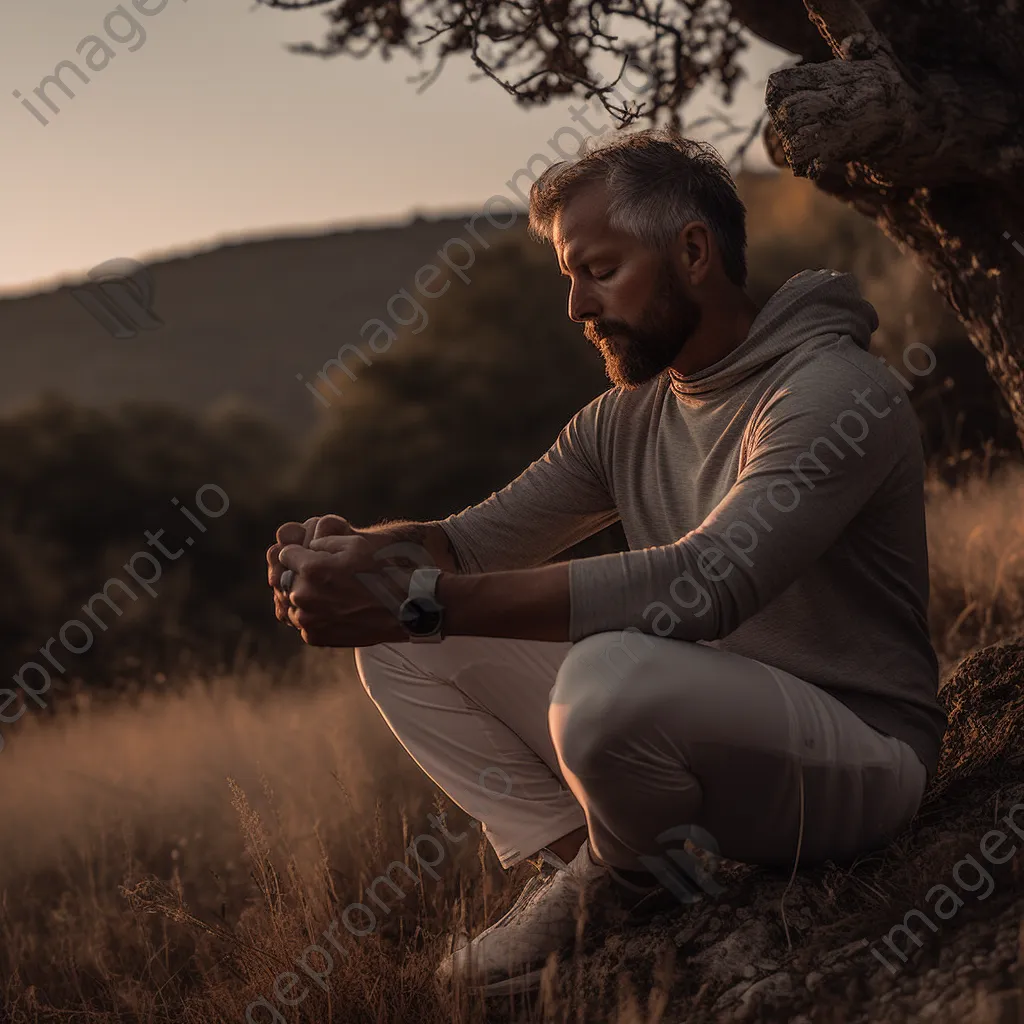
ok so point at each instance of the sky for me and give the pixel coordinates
(212, 131)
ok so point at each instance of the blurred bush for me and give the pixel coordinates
(78, 490)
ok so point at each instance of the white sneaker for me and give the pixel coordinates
(509, 957)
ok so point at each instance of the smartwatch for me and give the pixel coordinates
(421, 614)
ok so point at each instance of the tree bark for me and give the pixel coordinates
(929, 147)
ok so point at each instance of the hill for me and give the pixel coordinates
(241, 320)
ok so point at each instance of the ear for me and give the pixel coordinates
(690, 247)
(698, 253)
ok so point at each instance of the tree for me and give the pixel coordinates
(910, 111)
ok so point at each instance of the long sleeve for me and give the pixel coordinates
(557, 501)
(817, 455)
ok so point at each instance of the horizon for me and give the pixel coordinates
(147, 164)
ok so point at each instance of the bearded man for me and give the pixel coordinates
(755, 673)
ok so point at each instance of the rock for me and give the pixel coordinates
(688, 934)
(847, 952)
(984, 700)
(770, 988)
(731, 996)
(727, 959)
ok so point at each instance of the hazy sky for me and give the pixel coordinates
(212, 130)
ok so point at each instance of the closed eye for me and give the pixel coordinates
(606, 275)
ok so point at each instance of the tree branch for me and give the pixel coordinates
(904, 127)
(785, 25)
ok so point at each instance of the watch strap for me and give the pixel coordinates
(423, 583)
(423, 587)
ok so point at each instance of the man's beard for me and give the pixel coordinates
(637, 354)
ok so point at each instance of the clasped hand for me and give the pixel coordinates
(342, 596)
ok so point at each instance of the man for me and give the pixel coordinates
(755, 670)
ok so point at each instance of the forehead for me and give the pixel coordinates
(581, 223)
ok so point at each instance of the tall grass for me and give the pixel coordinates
(248, 820)
(976, 560)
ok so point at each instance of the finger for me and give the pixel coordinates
(295, 619)
(291, 533)
(299, 558)
(329, 526)
(309, 530)
(273, 567)
(334, 545)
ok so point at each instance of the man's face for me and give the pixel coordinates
(636, 309)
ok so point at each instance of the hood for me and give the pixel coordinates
(810, 305)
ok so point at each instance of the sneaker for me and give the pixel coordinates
(509, 957)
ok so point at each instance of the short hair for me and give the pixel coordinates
(657, 181)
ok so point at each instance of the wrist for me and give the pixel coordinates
(421, 614)
(414, 544)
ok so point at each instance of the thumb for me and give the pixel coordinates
(334, 545)
(296, 557)
(332, 526)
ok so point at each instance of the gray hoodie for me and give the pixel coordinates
(773, 504)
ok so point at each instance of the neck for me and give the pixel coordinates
(725, 324)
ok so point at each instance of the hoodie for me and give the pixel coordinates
(773, 504)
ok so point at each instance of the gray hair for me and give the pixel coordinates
(658, 181)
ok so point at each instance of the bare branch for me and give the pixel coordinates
(537, 50)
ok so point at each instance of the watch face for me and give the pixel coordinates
(420, 617)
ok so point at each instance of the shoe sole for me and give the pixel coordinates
(517, 985)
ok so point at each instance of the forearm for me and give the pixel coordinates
(426, 535)
(527, 604)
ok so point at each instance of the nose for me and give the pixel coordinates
(583, 304)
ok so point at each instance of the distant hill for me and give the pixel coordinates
(240, 321)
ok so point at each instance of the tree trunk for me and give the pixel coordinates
(918, 124)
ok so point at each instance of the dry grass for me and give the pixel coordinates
(164, 862)
(976, 556)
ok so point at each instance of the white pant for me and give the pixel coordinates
(637, 739)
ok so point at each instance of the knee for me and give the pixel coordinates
(597, 703)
